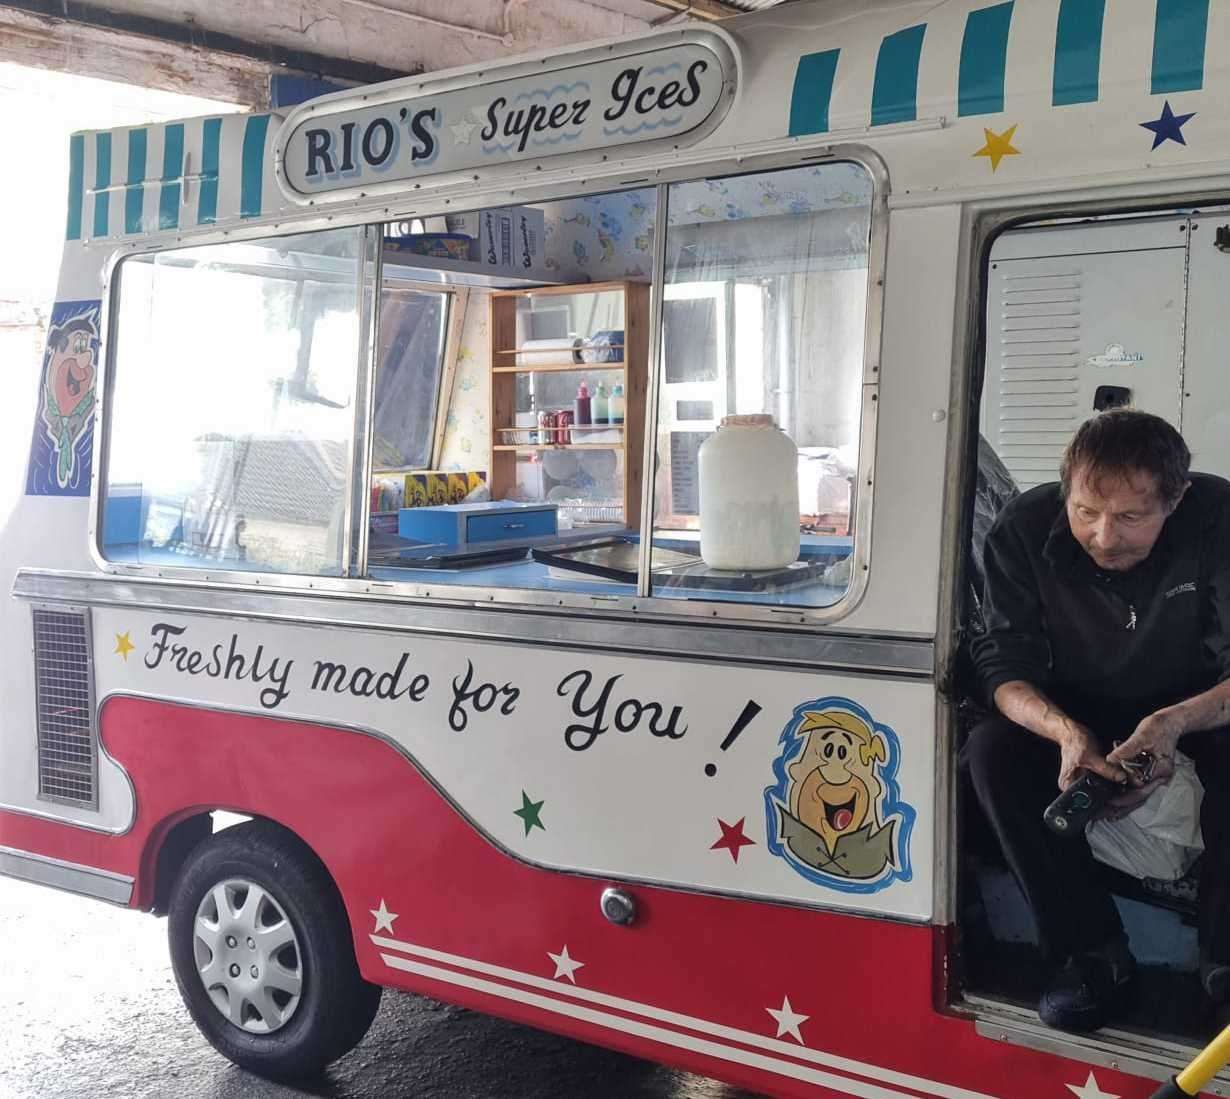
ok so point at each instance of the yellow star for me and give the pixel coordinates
(123, 645)
(998, 146)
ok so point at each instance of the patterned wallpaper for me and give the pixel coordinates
(604, 238)
(467, 429)
(792, 191)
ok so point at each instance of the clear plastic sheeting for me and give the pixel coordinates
(409, 374)
(231, 412)
(764, 314)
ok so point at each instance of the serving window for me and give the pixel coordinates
(530, 430)
(760, 385)
(231, 406)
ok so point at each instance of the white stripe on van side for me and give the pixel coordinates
(844, 1084)
(704, 1026)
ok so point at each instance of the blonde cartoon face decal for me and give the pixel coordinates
(834, 813)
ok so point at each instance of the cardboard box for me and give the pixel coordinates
(393, 491)
(434, 488)
(510, 240)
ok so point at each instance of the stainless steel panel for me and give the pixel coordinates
(88, 881)
(830, 651)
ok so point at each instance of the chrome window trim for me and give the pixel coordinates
(638, 606)
(653, 392)
(856, 655)
(105, 376)
(358, 493)
(72, 877)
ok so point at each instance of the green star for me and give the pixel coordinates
(529, 813)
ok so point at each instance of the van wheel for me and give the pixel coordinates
(263, 955)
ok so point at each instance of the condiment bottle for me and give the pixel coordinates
(616, 408)
(581, 406)
(601, 405)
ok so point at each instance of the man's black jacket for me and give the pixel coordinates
(1109, 648)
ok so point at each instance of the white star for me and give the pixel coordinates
(462, 131)
(384, 918)
(564, 965)
(1090, 1090)
(788, 1020)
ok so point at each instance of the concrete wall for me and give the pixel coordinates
(174, 44)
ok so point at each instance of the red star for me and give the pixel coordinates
(732, 838)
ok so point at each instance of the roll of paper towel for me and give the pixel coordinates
(557, 352)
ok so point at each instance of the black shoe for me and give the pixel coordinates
(1083, 993)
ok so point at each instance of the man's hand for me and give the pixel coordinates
(1158, 734)
(1078, 751)
(1131, 799)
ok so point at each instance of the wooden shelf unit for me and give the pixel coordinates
(633, 371)
(557, 367)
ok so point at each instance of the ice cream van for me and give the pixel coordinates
(357, 614)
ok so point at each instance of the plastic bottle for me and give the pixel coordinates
(749, 495)
(615, 411)
(581, 405)
(601, 405)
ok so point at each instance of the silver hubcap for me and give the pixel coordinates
(247, 955)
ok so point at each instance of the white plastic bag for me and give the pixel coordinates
(1159, 839)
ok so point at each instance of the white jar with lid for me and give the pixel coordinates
(749, 495)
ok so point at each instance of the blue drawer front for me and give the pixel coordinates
(510, 526)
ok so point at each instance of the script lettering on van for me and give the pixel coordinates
(667, 92)
(587, 705)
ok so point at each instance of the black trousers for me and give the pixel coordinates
(1015, 774)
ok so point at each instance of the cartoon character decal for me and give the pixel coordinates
(60, 453)
(835, 812)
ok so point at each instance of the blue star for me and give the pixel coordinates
(1169, 127)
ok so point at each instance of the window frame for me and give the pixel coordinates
(99, 476)
(635, 605)
(458, 301)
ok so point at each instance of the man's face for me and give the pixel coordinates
(1117, 519)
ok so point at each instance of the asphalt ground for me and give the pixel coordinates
(89, 1008)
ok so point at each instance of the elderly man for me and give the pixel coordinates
(1107, 606)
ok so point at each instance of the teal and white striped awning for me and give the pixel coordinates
(147, 179)
(1180, 39)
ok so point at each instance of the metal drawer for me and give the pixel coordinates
(510, 526)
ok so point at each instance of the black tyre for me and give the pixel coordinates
(263, 954)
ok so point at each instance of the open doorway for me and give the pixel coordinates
(1082, 316)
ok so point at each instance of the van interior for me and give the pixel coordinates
(1082, 316)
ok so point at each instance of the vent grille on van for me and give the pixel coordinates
(64, 688)
(1039, 362)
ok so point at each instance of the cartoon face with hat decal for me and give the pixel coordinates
(835, 814)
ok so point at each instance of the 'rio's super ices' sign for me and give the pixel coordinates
(659, 94)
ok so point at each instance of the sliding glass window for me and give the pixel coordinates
(764, 309)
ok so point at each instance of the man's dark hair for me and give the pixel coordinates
(57, 338)
(1123, 441)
